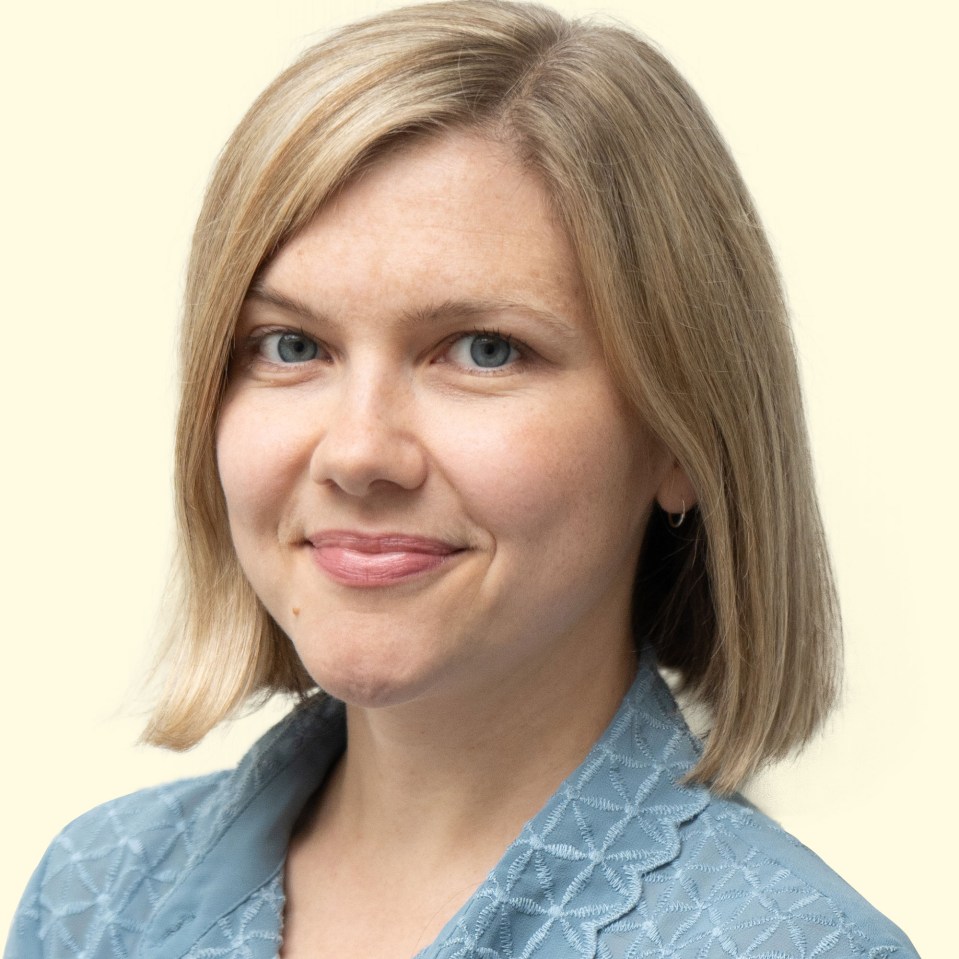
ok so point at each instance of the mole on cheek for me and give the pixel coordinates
(296, 610)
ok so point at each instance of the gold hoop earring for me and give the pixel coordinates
(677, 520)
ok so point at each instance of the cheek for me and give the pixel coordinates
(587, 472)
(256, 458)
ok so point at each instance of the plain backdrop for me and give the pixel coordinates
(841, 115)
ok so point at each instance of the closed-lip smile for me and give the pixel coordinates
(365, 560)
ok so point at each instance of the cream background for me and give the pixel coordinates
(841, 115)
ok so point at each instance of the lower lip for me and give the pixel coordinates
(352, 567)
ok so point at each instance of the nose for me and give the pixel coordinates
(368, 437)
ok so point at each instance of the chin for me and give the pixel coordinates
(370, 681)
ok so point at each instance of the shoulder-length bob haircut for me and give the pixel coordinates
(738, 601)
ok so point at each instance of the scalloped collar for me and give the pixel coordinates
(576, 867)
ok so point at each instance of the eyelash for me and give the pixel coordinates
(514, 344)
(253, 347)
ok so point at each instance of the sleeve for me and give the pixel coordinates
(100, 880)
(26, 931)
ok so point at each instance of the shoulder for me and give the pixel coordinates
(143, 815)
(185, 853)
(121, 857)
(741, 885)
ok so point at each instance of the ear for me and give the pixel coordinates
(676, 493)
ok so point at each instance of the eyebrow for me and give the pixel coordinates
(259, 291)
(467, 309)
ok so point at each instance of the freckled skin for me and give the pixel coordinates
(535, 469)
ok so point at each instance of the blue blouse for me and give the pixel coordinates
(621, 862)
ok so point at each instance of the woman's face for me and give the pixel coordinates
(432, 482)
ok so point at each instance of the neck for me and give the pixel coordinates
(462, 774)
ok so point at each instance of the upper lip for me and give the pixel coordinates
(381, 542)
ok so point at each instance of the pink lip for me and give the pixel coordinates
(363, 560)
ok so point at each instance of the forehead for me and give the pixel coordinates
(456, 215)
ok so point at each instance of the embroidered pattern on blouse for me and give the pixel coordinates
(622, 863)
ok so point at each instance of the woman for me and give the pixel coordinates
(489, 408)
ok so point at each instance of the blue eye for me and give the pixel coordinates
(288, 347)
(487, 351)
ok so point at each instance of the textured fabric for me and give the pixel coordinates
(621, 862)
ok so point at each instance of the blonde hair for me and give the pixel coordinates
(739, 600)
